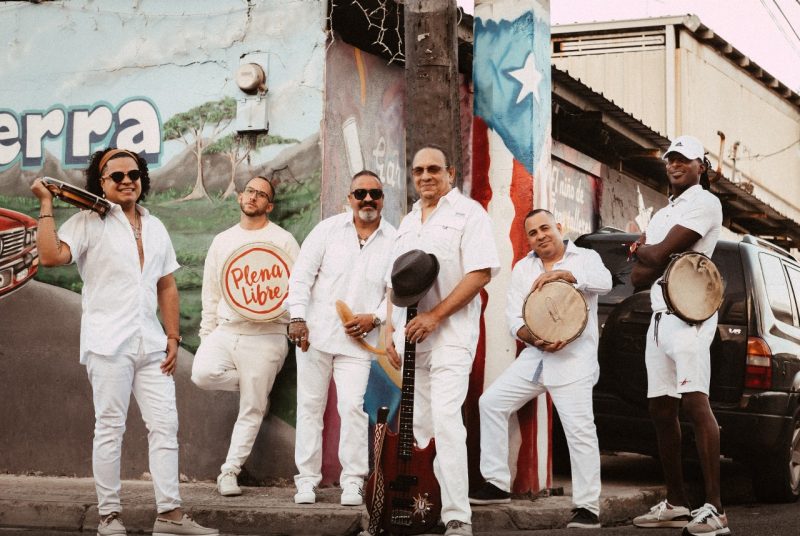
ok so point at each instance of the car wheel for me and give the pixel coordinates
(776, 474)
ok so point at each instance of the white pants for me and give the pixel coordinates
(441, 382)
(350, 374)
(512, 390)
(228, 361)
(113, 378)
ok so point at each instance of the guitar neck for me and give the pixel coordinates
(406, 428)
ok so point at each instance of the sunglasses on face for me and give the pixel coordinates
(361, 193)
(432, 170)
(118, 176)
(258, 193)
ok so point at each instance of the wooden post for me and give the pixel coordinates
(431, 51)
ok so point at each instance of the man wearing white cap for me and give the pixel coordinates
(677, 355)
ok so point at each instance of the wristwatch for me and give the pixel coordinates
(376, 322)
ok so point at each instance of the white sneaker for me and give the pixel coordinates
(706, 521)
(228, 485)
(352, 494)
(305, 493)
(111, 525)
(664, 515)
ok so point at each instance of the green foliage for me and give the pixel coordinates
(234, 141)
(194, 120)
(297, 206)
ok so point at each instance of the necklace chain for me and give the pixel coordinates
(137, 228)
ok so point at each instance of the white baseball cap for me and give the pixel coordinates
(688, 146)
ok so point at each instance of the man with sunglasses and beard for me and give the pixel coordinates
(236, 353)
(345, 257)
(126, 261)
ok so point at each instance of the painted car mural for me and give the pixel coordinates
(19, 259)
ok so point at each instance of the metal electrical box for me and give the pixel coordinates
(252, 114)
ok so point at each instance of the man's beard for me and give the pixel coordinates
(252, 212)
(368, 216)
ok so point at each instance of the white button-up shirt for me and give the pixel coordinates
(459, 232)
(119, 298)
(697, 210)
(578, 359)
(332, 266)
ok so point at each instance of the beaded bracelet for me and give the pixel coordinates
(298, 319)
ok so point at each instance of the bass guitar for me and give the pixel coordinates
(403, 495)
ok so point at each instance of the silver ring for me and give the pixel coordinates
(303, 337)
(363, 334)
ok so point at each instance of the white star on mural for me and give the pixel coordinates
(529, 76)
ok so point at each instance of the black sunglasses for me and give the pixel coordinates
(119, 176)
(361, 193)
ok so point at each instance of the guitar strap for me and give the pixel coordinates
(376, 508)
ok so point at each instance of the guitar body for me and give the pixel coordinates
(403, 495)
(412, 499)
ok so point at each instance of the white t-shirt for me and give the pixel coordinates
(119, 299)
(697, 210)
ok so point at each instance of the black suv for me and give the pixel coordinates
(755, 361)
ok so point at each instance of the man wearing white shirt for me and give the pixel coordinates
(567, 371)
(458, 231)
(237, 353)
(126, 262)
(677, 356)
(345, 257)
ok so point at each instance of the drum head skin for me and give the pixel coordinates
(255, 281)
(555, 312)
(692, 287)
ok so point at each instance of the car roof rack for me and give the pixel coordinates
(756, 241)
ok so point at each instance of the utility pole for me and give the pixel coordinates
(432, 104)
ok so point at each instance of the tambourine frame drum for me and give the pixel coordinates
(77, 197)
(255, 281)
(556, 312)
(692, 287)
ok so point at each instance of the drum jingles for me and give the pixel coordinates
(692, 287)
(556, 312)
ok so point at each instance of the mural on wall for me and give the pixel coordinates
(574, 190)
(628, 205)
(158, 79)
(364, 128)
(511, 160)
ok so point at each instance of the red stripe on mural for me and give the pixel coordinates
(522, 197)
(482, 193)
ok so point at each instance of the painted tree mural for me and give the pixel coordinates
(198, 128)
(237, 147)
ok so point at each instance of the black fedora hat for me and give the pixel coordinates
(413, 274)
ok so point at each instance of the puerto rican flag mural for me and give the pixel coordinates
(510, 168)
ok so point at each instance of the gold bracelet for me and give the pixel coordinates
(42, 216)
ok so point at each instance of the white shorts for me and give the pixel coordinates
(678, 359)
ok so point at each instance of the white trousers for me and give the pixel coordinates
(228, 361)
(113, 379)
(512, 390)
(350, 374)
(441, 382)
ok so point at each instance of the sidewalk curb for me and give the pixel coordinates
(68, 504)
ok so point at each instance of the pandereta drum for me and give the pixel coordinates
(556, 312)
(255, 281)
(692, 287)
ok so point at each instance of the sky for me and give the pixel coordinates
(767, 31)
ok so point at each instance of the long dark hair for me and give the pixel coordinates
(704, 180)
(93, 172)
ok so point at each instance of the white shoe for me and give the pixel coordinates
(352, 494)
(111, 526)
(227, 485)
(664, 515)
(305, 493)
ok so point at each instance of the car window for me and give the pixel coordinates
(777, 288)
(734, 305)
(615, 257)
(794, 278)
